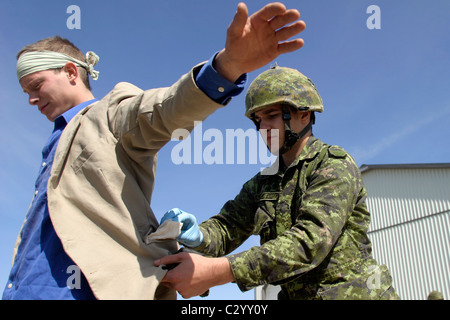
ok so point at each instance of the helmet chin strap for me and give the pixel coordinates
(291, 137)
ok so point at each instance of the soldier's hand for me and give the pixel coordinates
(194, 273)
(190, 235)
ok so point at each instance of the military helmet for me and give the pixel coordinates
(435, 295)
(280, 85)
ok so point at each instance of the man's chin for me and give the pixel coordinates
(275, 150)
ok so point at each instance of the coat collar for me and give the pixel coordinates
(65, 143)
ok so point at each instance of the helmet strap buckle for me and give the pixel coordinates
(291, 137)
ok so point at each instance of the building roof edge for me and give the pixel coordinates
(366, 167)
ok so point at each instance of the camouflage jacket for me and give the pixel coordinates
(312, 220)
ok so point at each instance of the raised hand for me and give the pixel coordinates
(252, 42)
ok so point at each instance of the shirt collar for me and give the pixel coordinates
(310, 150)
(65, 118)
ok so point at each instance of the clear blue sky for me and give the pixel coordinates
(385, 91)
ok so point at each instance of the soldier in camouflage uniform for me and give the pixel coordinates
(311, 214)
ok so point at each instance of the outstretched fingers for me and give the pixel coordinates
(240, 20)
(270, 10)
(290, 31)
(290, 46)
(288, 17)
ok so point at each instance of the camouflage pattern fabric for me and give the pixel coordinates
(281, 85)
(435, 295)
(312, 220)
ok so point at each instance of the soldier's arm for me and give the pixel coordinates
(227, 230)
(325, 207)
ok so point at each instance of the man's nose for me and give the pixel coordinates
(264, 125)
(33, 99)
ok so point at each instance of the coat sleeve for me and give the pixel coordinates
(144, 121)
(325, 206)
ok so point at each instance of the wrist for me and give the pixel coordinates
(198, 239)
(222, 271)
(226, 67)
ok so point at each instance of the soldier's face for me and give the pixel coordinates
(271, 121)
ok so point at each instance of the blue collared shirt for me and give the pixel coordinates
(42, 269)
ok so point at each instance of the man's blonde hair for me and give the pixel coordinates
(61, 45)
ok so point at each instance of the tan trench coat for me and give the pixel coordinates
(102, 180)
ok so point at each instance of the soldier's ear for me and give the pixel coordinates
(305, 117)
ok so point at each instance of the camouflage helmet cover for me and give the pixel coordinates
(435, 295)
(280, 85)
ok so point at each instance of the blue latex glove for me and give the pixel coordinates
(190, 235)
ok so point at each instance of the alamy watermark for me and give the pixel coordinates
(236, 146)
(74, 280)
(74, 20)
(374, 20)
(374, 281)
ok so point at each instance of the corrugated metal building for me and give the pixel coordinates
(410, 227)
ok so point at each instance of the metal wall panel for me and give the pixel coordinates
(401, 195)
(417, 254)
(410, 227)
